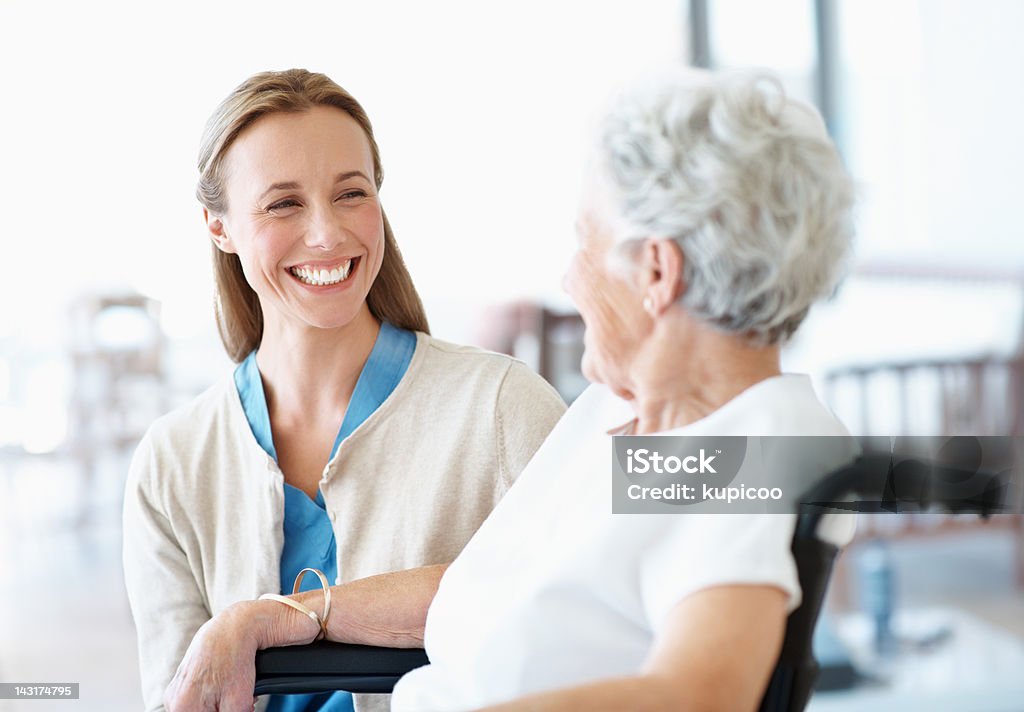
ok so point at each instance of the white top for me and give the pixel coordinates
(204, 503)
(555, 590)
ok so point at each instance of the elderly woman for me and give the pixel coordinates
(717, 212)
(347, 439)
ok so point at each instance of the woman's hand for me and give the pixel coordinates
(218, 672)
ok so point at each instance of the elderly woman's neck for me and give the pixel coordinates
(684, 379)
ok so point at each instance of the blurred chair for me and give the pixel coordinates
(549, 340)
(117, 352)
(972, 396)
(981, 395)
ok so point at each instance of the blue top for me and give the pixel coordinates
(308, 534)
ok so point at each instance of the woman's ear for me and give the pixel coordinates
(663, 261)
(216, 228)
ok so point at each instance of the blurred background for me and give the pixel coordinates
(483, 114)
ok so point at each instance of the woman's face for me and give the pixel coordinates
(303, 216)
(599, 284)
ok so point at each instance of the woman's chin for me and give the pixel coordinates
(331, 320)
(609, 377)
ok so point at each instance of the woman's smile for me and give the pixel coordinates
(324, 275)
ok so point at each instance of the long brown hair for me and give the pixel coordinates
(392, 296)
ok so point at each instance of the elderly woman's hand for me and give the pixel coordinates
(218, 672)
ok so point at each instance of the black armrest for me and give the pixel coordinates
(325, 666)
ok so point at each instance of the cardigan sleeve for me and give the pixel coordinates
(166, 601)
(526, 411)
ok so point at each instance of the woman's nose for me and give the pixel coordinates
(569, 277)
(326, 230)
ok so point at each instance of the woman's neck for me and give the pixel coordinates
(684, 379)
(309, 374)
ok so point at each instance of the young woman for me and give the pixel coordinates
(347, 439)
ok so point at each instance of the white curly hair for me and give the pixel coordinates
(746, 181)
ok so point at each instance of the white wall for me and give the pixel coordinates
(932, 116)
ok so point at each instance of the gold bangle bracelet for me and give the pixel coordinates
(327, 592)
(320, 620)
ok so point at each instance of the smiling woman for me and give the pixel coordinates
(348, 439)
(301, 210)
(275, 101)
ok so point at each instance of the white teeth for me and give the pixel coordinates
(322, 277)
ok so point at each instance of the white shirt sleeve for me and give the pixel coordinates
(699, 551)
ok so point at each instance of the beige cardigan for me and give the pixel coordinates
(204, 504)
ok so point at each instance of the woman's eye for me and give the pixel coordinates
(350, 194)
(281, 204)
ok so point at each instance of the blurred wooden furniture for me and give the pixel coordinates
(549, 340)
(973, 396)
(118, 385)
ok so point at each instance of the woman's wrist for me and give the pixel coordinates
(271, 624)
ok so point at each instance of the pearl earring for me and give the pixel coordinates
(647, 304)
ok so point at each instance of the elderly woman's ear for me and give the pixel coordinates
(661, 274)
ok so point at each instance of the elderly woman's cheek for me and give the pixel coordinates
(583, 282)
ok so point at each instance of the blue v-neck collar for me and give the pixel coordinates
(383, 370)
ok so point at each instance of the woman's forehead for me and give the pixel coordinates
(598, 207)
(289, 146)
